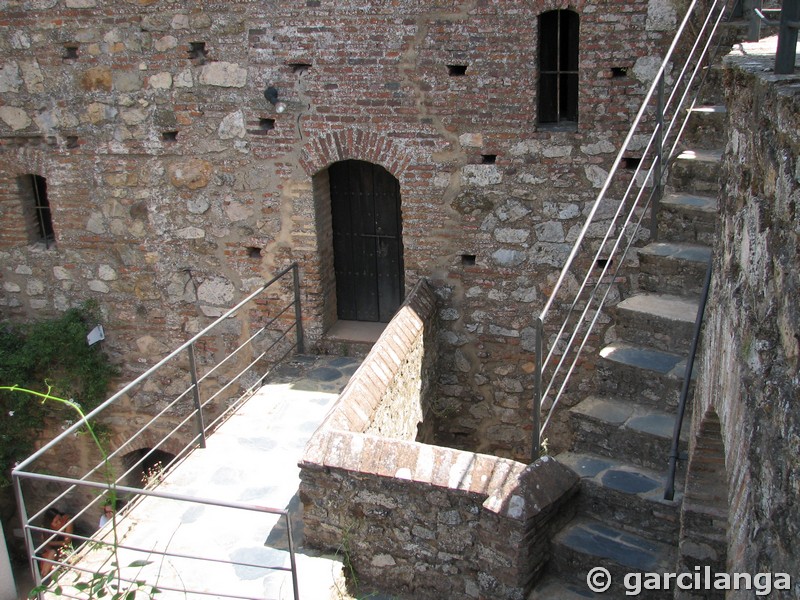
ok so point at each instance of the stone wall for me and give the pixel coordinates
(751, 357)
(402, 510)
(176, 188)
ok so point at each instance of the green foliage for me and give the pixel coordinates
(46, 356)
(110, 584)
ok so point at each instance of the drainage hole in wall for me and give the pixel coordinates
(631, 162)
(468, 260)
(601, 263)
(488, 159)
(619, 71)
(197, 52)
(300, 67)
(70, 52)
(169, 136)
(456, 70)
(253, 252)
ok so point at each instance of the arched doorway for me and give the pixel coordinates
(367, 241)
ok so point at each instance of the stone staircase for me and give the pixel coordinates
(623, 430)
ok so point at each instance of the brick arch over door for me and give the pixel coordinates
(356, 144)
(316, 158)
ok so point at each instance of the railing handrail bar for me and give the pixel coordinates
(589, 329)
(77, 425)
(225, 360)
(617, 161)
(598, 253)
(592, 295)
(157, 494)
(669, 486)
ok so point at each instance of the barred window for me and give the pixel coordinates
(40, 221)
(558, 66)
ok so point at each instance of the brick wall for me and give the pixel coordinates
(403, 510)
(751, 357)
(166, 164)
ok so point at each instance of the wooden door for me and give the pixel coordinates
(367, 241)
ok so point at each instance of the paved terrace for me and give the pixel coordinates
(252, 458)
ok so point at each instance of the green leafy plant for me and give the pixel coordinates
(56, 352)
(110, 584)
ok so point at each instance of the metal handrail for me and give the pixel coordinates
(674, 453)
(252, 358)
(584, 308)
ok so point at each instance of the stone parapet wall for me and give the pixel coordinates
(751, 356)
(391, 391)
(403, 510)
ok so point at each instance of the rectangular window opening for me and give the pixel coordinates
(457, 70)
(43, 230)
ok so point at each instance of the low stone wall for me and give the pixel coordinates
(415, 519)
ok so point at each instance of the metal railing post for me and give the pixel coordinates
(298, 315)
(754, 24)
(198, 405)
(536, 447)
(23, 516)
(787, 37)
(658, 172)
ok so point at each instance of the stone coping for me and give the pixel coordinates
(506, 487)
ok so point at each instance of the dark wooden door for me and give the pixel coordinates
(367, 241)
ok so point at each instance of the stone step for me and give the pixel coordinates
(643, 375)
(687, 218)
(623, 430)
(626, 494)
(677, 268)
(705, 128)
(660, 321)
(585, 544)
(696, 171)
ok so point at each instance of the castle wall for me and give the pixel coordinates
(751, 356)
(176, 188)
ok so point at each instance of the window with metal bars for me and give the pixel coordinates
(558, 67)
(41, 230)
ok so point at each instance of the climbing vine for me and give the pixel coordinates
(47, 356)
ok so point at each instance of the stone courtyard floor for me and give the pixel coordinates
(251, 459)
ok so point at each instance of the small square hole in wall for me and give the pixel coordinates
(266, 124)
(197, 52)
(169, 136)
(631, 162)
(488, 159)
(300, 67)
(456, 70)
(619, 71)
(72, 141)
(601, 263)
(253, 252)
(468, 260)
(70, 52)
